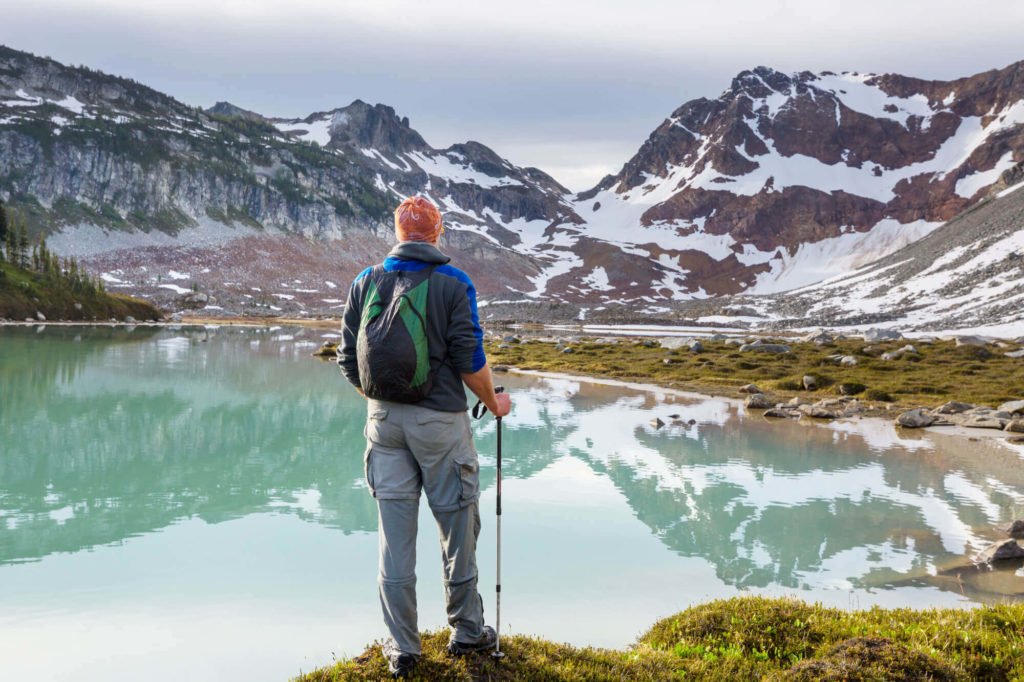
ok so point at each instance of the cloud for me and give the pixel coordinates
(549, 84)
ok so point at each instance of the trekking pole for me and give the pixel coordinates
(479, 411)
(497, 590)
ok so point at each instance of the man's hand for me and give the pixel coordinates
(502, 404)
(482, 384)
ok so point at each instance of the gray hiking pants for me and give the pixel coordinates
(411, 448)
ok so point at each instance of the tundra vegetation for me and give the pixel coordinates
(937, 372)
(749, 638)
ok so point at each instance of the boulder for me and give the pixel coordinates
(810, 383)
(954, 407)
(567, 350)
(695, 346)
(876, 335)
(128, 319)
(759, 401)
(819, 411)
(40, 316)
(780, 413)
(915, 419)
(1005, 550)
(734, 342)
(666, 361)
(797, 402)
(984, 421)
(673, 343)
(848, 361)
(657, 423)
(898, 353)
(1016, 354)
(194, 300)
(750, 388)
(761, 347)
(1013, 407)
(176, 317)
(819, 338)
(1015, 529)
(1014, 426)
(78, 306)
(971, 341)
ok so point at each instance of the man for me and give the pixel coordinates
(411, 338)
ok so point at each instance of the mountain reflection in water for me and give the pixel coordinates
(109, 435)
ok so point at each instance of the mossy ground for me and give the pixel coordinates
(938, 372)
(751, 638)
(23, 293)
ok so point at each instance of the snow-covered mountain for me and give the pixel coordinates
(785, 180)
(969, 273)
(782, 181)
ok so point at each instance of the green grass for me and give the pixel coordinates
(22, 293)
(939, 372)
(750, 638)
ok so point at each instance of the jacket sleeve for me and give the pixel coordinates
(465, 336)
(350, 332)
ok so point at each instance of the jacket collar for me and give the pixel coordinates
(421, 251)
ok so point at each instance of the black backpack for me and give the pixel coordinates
(392, 348)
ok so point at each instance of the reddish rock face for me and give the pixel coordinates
(780, 162)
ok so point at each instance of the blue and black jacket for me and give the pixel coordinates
(453, 325)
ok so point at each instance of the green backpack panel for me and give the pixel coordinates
(392, 349)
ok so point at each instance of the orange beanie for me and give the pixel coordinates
(417, 220)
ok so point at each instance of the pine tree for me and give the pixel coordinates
(44, 256)
(11, 244)
(3, 223)
(22, 246)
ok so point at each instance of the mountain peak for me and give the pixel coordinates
(224, 108)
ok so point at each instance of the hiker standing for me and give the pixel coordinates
(411, 337)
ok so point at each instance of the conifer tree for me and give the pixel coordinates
(3, 223)
(11, 244)
(22, 246)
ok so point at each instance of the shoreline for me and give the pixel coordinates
(954, 431)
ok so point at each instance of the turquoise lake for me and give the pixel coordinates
(189, 503)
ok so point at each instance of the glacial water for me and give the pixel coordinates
(189, 504)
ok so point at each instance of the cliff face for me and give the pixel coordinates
(783, 180)
(124, 176)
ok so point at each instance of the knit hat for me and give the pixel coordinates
(417, 220)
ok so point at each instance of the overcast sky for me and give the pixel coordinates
(570, 86)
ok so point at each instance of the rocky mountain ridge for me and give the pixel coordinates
(783, 180)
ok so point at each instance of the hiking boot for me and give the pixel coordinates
(487, 639)
(400, 664)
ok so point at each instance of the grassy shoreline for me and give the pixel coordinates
(23, 294)
(939, 372)
(750, 638)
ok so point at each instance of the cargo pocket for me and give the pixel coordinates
(368, 470)
(375, 424)
(468, 475)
